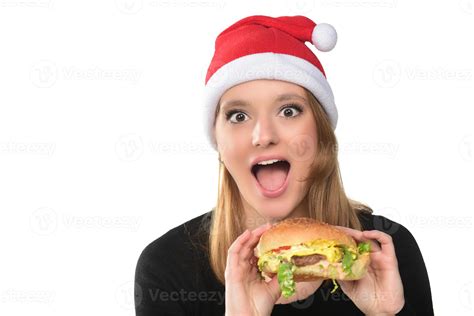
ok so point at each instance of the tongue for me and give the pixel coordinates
(271, 177)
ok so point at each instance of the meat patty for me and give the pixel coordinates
(307, 260)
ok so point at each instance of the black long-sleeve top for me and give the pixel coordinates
(173, 276)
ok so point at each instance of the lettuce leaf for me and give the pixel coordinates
(348, 260)
(336, 286)
(285, 278)
(363, 247)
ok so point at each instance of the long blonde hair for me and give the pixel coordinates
(327, 200)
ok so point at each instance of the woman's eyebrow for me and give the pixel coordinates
(281, 97)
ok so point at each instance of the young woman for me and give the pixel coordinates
(267, 99)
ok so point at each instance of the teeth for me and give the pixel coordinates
(268, 162)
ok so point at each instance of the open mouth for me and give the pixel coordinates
(271, 176)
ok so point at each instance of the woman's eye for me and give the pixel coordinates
(291, 109)
(238, 115)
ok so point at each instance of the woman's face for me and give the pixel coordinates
(262, 119)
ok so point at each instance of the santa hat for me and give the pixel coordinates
(263, 47)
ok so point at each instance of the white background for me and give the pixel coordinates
(102, 148)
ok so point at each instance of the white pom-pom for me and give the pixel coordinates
(324, 37)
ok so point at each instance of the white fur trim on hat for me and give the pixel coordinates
(266, 66)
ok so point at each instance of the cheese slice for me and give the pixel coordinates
(327, 248)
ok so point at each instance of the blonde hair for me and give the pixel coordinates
(327, 200)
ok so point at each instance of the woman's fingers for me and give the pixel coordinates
(385, 240)
(241, 249)
(236, 247)
(359, 236)
(356, 234)
(247, 250)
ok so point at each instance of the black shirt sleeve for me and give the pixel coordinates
(416, 284)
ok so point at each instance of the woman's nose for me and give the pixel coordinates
(264, 133)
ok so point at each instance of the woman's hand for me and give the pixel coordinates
(380, 291)
(245, 292)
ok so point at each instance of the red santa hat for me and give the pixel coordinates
(263, 47)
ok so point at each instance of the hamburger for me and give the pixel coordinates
(304, 249)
